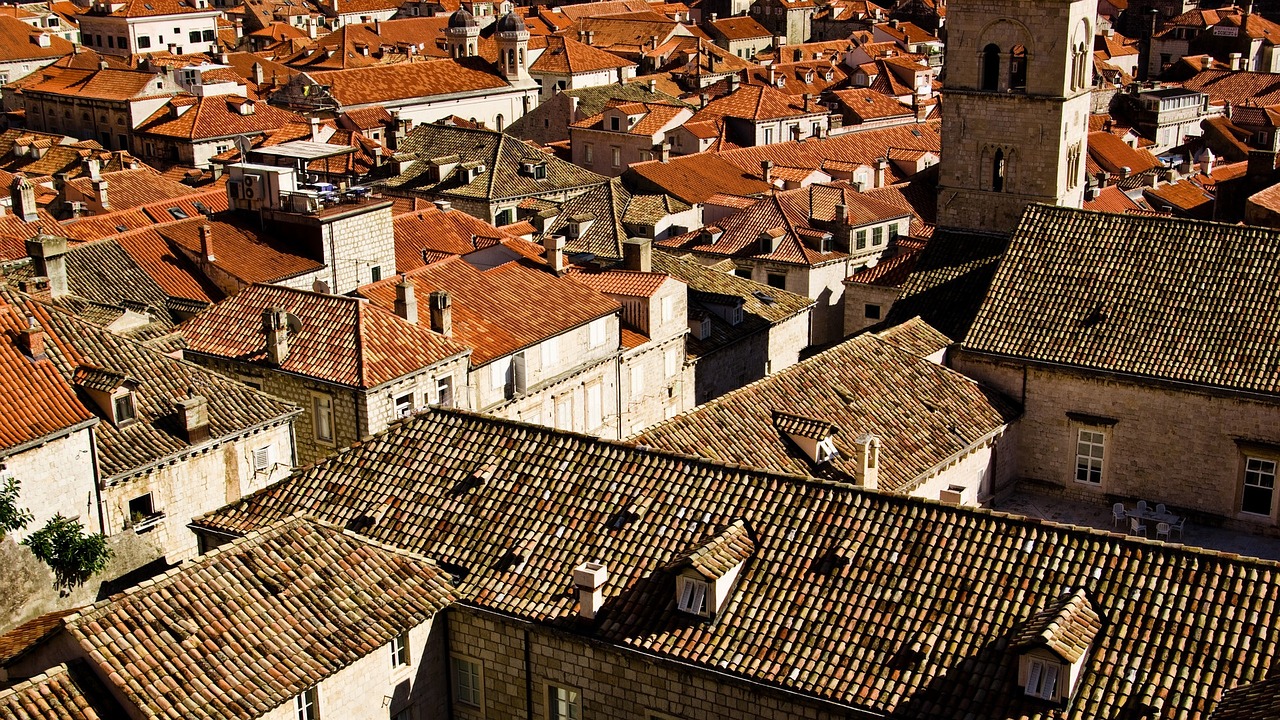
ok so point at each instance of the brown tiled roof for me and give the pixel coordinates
(842, 585)
(302, 600)
(740, 28)
(19, 41)
(1113, 154)
(492, 312)
(1253, 701)
(133, 188)
(1051, 302)
(243, 250)
(1112, 199)
(1183, 196)
(917, 337)
(63, 692)
(892, 271)
(654, 117)
(858, 387)
(434, 233)
(387, 83)
(1066, 627)
(98, 84)
(215, 117)
(1236, 87)
(694, 181)
(949, 281)
(568, 56)
(621, 282)
(122, 451)
(720, 553)
(21, 638)
(755, 102)
(343, 340)
(153, 8)
(501, 155)
(865, 104)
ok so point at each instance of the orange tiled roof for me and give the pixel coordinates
(567, 56)
(20, 41)
(243, 250)
(133, 188)
(343, 340)
(622, 282)
(491, 310)
(428, 235)
(384, 83)
(865, 104)
(152, 8)
(38, 402)
(740, 28)
(1112, 154)
(1112, 199)
(98, 84)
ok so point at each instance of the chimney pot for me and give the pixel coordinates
(766, 170)
(868, 461)
(637, 254)
(553, 250)
(193, 418)
(406, 303)
(23, 196)
(31, 340)
(275, 323)
(441, 312)
(206, 243)
(47, 253)
(589, 579)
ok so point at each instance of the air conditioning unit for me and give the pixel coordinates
(235, 190)
(252, 187)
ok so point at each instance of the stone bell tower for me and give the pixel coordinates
(1016, 99)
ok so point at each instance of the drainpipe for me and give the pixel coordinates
(528, 676)
(97, 482)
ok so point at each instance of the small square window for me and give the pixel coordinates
(872, 312)
(1042, 679)
(693, 596)
(777, 280)
(400, 650)
(140, 508)
(124, 408)
(262, 460)
(404, 405)
(563, 703)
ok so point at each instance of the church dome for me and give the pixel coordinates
(511, 22)
(462, 19)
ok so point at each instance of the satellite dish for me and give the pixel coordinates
(295, 325)
(320, 286)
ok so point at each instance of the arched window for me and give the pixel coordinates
(1080, 72)
(997, 172)
(991, 67)
(498, 121)
(1018, 69)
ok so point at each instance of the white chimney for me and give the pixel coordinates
(868, 461)
(553, 250)
(589, 579)
(406, 303)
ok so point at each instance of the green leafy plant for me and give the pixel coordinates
(12, 517)
(72, 554)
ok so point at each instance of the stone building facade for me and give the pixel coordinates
(1019, 75)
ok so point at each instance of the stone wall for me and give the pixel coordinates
(378, 405)
(859, 297)
(614, 684)
(356, 244)
(1178, 445)
(56, 477)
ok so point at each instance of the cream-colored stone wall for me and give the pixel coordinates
(573, 355)
(378, 405)
(649, 394)
(355, 245)
(1176, 445)
(56, 477)
(751, 358)
(977, 474)
(613, 684)
(858, 298)
(203, 481)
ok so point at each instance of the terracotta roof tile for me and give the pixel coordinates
(387, 83)
(243, 250)
(568, 56)
(436, 234)
(949, 281)
(133, 188)
(20, 41)
(1066, 627)
(1049, 300)
(621, 282)
(63, 692)
(215, 117)
(740, 28)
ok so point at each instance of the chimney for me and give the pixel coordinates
(100, 192)
(773, 75)
(653, 85)
(193, 417)
(23, 195)
(1206, 62)
(589, 579)
(441, 312)
(766, 170)
(259, 76)
(808, 101)
(664, 152)
(94, 167)
(637, 254)
(553, 250)
(275, 323)
(1235, 61)
(315, 129)
(206, 243)
(841, 214)
(713, 17)
(47, 253)
(406, 303)
(882, 165)
(31, 340)
(868, 461)
(1091, 192)
(733, 83)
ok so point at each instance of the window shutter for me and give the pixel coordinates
(1050, 681)
(262, 458)
(518, 374)
(1033, 677)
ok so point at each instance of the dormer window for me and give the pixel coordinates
(707, 573)
(114, 393)
(692, 595)
(814, 437)
(125, 410)
(1053, 647)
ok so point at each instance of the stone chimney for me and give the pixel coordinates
(589, 579)
(664, 152)
(23, 195)
(766, 170)
(275, 324)
(653, 85)
(100, 192)
(31, 340)
(206, 243)
(47, 253)
(1235, 61)
(882, 165)
(193, 417)
(259, 75)
(406, 303)
(441, 312)
(315, 129)
(637, 254)
(868, 461)
(553, 250)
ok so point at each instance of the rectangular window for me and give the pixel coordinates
(877, 236)
(375, 273)
(893, 232)
(1259, 486)
(1042, 679)
(588, 151)
(613, 123)
(400, 650)
(262, 459)
(637, 380)
(124, 409)
(444, 392)
(500, 373)
(111, 41)
(597, 330)
(550, 353)
(777, 280)
(768, 135)
(144, 41)
(862, 240)
(671, 362)
(467, 683)
(563, 703)
(564, 412)
(140, 508)
(872, 312)
(194, 36)
(404, 405)
(595, 406)
(120, 43)
(1090, 446)
(306, 707)
(668, 308)
(615, 157)
(207, 35)
(693, 596)
(322, 417)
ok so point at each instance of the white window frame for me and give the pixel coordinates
(322, 403)
(1257, 468)
(306, 704)
(571, 704)
(1043, 678)
(692, 596)
(400, 657)
(550, 352)
(668, 308)
(637, 380)
(597, 332)
(671, 362)
(402, 409)
(1088, 438)
(594, 400)
(563, 409)
(460, 667)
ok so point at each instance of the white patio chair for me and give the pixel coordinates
(1117, 515)
(1142, 506)
(1160, 509)
(1137, 526)
(1162, 531)
(1178, 526)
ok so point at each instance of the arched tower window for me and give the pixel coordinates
(991, 67)
(1018, 68)
(997, 172)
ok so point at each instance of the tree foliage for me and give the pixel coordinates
(72, 554)
(12, 517)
